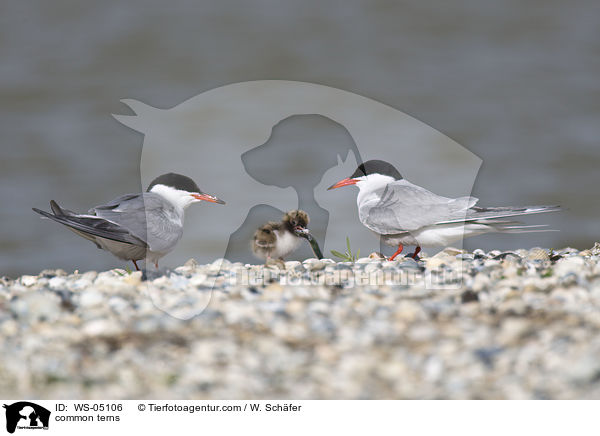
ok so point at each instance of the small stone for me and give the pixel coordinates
(57, 283)
(481, 282)
(218, 265)
(81, 284)
(9, 327)
(48, 273)
(118, 304)
(567, 265)
(37, 306)
(372, 267)
(317, 266)
(191, 263)
(275, 264)
(510, 270)
(28, 281)
(187, 268)
(295, 307)
(376, 255)
(469, 296)
(422, 333)
(440, 259)
(135, 278)
(584, 370)
(406, 262)
(565, 252)
(89, 275)
(198, 280)
(101, 327)
(536, 284)
(451, 251)
(512, 330)
(410, 311)
(538, 254)
(434, 369)
(91, 298)
(513, 307)
(344, 266)
(508, 255)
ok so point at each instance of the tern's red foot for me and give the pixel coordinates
(398, 251)
(136, 267)
(415, 255)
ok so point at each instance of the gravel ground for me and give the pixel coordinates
(513, 325)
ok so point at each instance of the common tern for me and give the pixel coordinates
(275, 240)
(406, 214)
(137, 226)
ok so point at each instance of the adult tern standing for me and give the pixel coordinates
(137, 226)
(406, 214)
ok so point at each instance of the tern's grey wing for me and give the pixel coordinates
(90, 225)
(401, 206)
(116, 202)
(147, 216)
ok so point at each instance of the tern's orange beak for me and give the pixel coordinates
(344, 182)
(208, 197)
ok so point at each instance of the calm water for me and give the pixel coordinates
(515, 83)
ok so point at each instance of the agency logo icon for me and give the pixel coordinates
(26, 415)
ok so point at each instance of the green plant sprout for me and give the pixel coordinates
(347, 256)
(128, 271)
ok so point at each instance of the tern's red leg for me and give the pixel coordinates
(136, 267)
(398, 251)
(416, 253)
(156, 264)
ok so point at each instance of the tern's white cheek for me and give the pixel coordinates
(369, 184)
(178, 198)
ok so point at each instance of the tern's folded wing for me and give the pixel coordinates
(401, 206)
(148, 216)
(94, 226)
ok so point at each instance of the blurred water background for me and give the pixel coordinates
(516, 83)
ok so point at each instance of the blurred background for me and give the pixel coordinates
(515, 83)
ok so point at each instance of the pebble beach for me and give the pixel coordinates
(522, 324)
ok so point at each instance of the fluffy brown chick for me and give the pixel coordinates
(275, 240)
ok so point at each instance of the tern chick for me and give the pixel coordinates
(406, 214)
(275, 240)
(137, 226)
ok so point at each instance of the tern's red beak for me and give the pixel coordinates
(344, 182)
(208, 197)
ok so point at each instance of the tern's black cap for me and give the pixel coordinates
(177, 181)
(376, 167)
